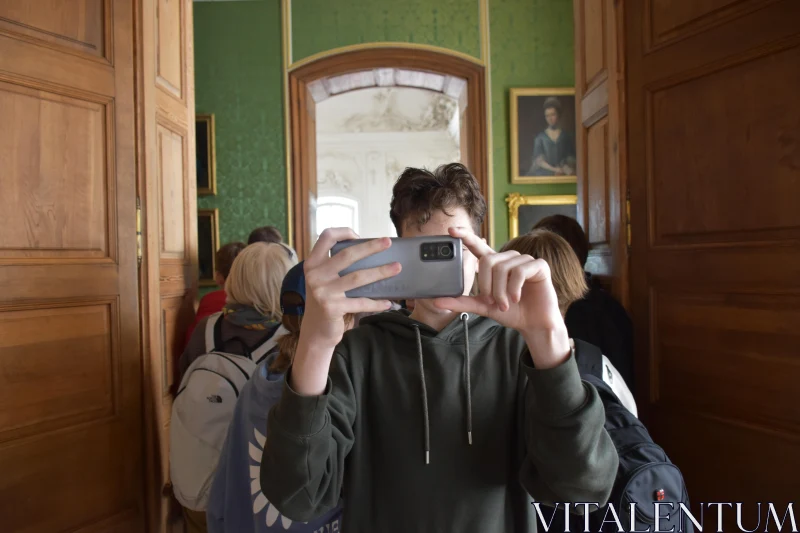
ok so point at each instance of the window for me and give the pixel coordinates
(336, 212)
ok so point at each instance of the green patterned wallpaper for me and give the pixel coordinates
(320, 25)
(531, 46)
(239, 78)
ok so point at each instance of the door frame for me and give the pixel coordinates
(303, 159)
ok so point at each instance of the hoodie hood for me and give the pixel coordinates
(467, 329)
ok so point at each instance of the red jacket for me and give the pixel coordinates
(211, 303)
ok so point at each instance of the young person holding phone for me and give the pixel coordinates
(448, 418)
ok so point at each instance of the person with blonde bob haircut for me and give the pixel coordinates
(252, 311)
(251, 317)
(569, 283)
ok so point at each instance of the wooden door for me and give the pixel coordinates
(599, 97)
(714, 160)
(70, 369)
(168, 190)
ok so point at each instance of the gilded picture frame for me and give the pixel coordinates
(207, 245)
(206, 151)
(544, 206)
(537, 156)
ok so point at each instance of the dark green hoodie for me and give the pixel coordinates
(426, 431)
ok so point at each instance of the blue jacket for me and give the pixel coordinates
(236, 503)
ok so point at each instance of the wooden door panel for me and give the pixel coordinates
(78, 25)
(593, 42)
(707, 348)
(169, 191)
(738, 185)
(47, 216)
(82, 475)
(597, 188)
(70, 366)
(734, 446)
(601, 141)
(40, 393)
(670, 20)
(173, 179)
(170, 46)
(714, 154)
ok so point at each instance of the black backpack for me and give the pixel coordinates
(645, 474)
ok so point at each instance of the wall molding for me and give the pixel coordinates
(487, 61)
(383, 44)
(286, 49)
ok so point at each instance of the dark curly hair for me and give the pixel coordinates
(570, 230)
(268, 234)
(418, 192)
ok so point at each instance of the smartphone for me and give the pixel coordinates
(432, 268)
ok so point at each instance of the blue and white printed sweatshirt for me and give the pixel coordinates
(236, 503)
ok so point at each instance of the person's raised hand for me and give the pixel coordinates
(326, 303)
(516, 291)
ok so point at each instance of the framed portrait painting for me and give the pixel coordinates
(524, 212)
(543, 135)
(206, 155)
(207, 245)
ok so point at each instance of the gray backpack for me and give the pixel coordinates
(203, 409)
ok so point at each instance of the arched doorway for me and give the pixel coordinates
(375, 67)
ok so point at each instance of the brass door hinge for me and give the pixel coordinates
(628, 218)
(139, 250)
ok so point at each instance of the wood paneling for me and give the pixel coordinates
(670, 20)
(87, 469)
(170, 46)
(169, 268)
(70, 365)
(78, 25)
(714, 155)
(36, 390)
(303, 154)
(602, 189)
(172, 343)
(711, 346)
(55, 175)
(760, 139)
(594, 42)
(597, 190)
(172, 179)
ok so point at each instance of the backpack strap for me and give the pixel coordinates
(589, 358)
(213, 332)
(592, 363)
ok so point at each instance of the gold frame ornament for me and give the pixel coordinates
(514, 95)
(515, 200)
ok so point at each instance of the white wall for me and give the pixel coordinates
(361, 153)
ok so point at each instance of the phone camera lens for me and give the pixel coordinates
(445, 251)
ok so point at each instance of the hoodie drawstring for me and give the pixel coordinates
(464, 319)
(424, 397)
(467, 377)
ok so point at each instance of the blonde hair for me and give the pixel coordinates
(566, 271)
(287, 343)
(256, 277)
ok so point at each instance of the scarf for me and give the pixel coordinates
(248, 317)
